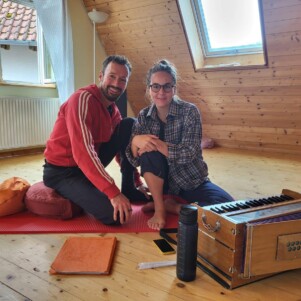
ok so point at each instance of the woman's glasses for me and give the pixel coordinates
(157, 87)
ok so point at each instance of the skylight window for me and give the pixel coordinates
(224, 33)
(229, 27)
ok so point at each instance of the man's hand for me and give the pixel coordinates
(121, 205)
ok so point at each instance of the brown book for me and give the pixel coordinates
(85, 255)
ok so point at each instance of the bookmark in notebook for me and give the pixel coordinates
(85, 255)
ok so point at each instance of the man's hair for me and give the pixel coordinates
(118, 59)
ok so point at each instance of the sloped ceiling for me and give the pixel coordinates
(255, 108)
(144, 31)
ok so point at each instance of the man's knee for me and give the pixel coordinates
(128, 121)
(126, 125)
(123, 131)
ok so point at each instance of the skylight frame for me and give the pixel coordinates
(226, 51)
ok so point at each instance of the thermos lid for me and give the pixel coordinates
(188, 214)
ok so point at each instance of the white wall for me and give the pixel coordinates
(19, 63)
(82, 34)
(83, 47)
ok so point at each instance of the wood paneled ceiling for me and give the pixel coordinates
(255, 108)
(144, 31)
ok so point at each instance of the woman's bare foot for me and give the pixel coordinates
(157, 222)
(148, 207)
(170, 205)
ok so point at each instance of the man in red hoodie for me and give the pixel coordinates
(88, 133)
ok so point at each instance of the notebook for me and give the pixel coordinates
(85, 255)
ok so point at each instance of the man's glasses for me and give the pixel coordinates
(166, 87)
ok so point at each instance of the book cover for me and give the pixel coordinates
(85, 255)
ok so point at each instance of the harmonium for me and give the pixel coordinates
(243, 241)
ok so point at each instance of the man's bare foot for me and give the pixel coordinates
(148, 207)
(157, 222)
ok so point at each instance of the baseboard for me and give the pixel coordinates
(22, 152)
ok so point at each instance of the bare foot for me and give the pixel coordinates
(148, 207)
(172, 206)
(157, 221)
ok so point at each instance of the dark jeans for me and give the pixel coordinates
(71, 183)
(205, 194)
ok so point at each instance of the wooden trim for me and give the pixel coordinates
(202, 63)
(22, 152)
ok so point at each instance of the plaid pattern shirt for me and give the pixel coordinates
(182, 133)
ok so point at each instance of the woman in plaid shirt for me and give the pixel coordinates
(166, 143)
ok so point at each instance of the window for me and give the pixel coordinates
(229, 27)
(45, 70)
(23, 54)
(224, 33)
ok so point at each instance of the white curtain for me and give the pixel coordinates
(55, 21)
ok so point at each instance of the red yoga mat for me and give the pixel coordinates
(27, 222)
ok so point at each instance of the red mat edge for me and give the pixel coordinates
(65, 226)
(172, 222)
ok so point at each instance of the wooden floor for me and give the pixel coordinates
(25, 259)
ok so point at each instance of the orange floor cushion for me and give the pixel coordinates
(12, 192)
(46, 202)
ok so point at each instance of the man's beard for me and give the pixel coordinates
(113, 98)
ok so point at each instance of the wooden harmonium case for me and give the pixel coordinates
(243, 241)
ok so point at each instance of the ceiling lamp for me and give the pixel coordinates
(97, 16)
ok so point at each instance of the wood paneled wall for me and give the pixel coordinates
(248, 109)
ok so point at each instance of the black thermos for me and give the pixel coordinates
(187, 243)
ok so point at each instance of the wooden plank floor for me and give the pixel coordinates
(25, 259)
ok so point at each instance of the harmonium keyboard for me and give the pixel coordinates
(243, 241)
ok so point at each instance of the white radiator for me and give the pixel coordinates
(26, 122)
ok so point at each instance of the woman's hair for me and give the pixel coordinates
(162, 65)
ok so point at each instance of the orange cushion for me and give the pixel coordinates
(46, 202)
(12, 193)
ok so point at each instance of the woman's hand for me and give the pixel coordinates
(162, 147)
(158, 145)
(143, 143)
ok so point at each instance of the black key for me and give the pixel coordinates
(217, 210)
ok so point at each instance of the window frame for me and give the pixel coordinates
(45, 72)
(226, 61)
(46, 75)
